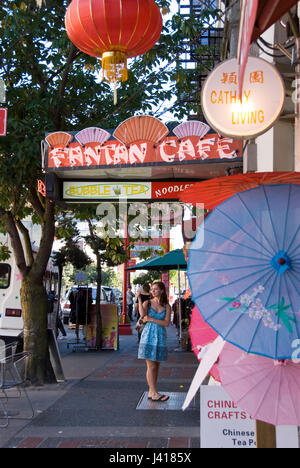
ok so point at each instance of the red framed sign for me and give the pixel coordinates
(114, 153)
(3, 121)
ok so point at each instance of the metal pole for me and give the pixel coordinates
(125, 278)
(235, 14)
(179, 307)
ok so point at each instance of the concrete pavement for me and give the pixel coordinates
(103, 403)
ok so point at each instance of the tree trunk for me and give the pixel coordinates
(34, 309)
(98, 305)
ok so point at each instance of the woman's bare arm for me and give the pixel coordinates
(163, 323)
(143, 307)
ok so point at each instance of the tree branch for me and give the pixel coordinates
(48, 231)
(71, 57)
(27, 242)
(36, 204)
(16, 243)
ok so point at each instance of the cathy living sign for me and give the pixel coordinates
(261, 103)
(100, 190)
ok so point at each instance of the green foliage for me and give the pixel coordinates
(71, 253)
(5, 253)
(108, 276)
(148, 277)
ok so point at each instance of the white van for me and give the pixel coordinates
(11, 321)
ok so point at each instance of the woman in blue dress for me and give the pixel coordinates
(156, 314)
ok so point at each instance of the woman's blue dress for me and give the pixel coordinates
(153, 342)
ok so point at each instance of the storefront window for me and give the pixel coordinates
(4, 275)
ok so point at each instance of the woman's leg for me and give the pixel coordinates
(151, 376)
(156, 372)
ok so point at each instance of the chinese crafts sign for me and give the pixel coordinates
(224, 425)
(171, 150)
(260, 105)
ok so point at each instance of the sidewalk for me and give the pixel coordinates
(103, 403)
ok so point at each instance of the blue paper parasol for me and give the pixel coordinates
(244, 270)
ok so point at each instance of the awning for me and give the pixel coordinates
(173, 260)
(256, 17)
(268, 13)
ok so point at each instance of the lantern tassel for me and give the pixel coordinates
(115, 93)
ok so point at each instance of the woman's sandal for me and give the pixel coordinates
(161, 398)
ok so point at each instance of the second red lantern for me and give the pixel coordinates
(114, 30)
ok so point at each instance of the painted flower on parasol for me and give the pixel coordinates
(267, 389)
(252, 239)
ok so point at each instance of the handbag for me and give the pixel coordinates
(140, 325)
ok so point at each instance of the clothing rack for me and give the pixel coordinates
(81, 344)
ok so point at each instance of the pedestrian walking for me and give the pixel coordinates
(130, 297)
(55, 311)
(59, 323)
(156, 313)
(51, 299)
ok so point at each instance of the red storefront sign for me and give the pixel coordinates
(3, 121)
(131, 263)
(171, 150)
(168, 190)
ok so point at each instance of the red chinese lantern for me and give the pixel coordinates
(114, 30)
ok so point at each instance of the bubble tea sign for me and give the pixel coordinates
(259, 106)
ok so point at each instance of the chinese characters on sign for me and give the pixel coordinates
(249, 116)
(260, 105)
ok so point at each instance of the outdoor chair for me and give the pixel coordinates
(13, 374)
(8, 350)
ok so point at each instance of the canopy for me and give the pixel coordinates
(268, 13)
(256, 17)
(212, 192)
(173, 260)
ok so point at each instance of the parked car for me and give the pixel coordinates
(113, 293)
(118, 294)
(66, 306)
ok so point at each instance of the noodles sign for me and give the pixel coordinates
(261, 103)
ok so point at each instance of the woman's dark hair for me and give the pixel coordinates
(163, 297)
(146, 287)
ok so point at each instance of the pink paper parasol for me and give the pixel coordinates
(268, 390)
(201, 335)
